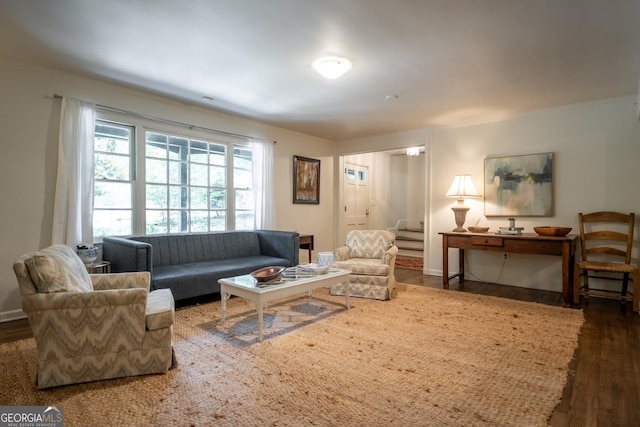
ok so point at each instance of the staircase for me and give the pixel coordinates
(410, 241)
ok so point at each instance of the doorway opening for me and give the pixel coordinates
(386, 190)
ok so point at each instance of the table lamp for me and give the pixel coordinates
(462, 188)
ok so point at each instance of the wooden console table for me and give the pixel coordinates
(526, 243)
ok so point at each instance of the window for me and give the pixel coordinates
(243, 188)
(113, 193)
(186, 184)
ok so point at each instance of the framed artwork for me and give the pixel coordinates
(519, 185)
(306, 180)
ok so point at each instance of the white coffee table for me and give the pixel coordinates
(247, 287)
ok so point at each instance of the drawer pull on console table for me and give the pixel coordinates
(526, 243)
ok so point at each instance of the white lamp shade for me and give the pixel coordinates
(462, 188)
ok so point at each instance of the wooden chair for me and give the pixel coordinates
(607, 252)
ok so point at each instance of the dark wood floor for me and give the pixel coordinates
(603, 387)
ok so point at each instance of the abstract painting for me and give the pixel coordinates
(306, 180)
(519, 185)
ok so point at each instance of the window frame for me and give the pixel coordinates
(132, 171)
(138, 177)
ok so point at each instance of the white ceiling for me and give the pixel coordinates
(450, 62)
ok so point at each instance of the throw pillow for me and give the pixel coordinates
(45, 273)
(58, 269)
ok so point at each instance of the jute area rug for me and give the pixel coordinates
(427, 357)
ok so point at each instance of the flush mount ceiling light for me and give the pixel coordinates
(331, 67)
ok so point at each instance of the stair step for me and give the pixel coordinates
(410, 244)
(411, 253)
(405, 234)
(410, 238)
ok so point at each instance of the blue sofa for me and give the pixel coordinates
(191, 264)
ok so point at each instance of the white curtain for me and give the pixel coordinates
(73, 206)
(265, 214)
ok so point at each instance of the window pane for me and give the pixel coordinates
(156, 137)
(198, 152)
(156, 196)
(156, 222)
(242, 157)
(109, 166)
(178, 197)
(244, 220)
(112, 222)
(217, 154)
(218, 220)
(218, 176)
(112, 138)
(157, 146)
(244, 199)
(199, 221)
(218, 198)
(199, 175)
(178, 148)
(112, 145)
(199, 198)
(156, 171)
(242, 178)
(178, 173)
(178, 221)
(112, 195)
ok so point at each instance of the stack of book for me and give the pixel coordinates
(305, 270)
(510, 231)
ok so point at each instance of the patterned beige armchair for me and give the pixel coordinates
(370, 255)
(92, 327)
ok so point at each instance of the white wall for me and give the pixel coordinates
(596, 150)
(29, 118)
(407, 177)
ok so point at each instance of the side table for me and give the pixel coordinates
(99, 267)
(306, 242)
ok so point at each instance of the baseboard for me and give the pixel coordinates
(8, 316)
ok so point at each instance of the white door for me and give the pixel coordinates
(356, 197)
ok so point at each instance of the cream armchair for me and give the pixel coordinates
(92, 327)
(370, 255)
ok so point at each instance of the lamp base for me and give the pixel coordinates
(460, 214)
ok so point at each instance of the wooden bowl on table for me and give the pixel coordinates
(267, 274)
(552, 231)
(478, 229)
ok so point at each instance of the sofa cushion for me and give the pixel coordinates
(58, 269)
(190, 280)
(160, 309)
